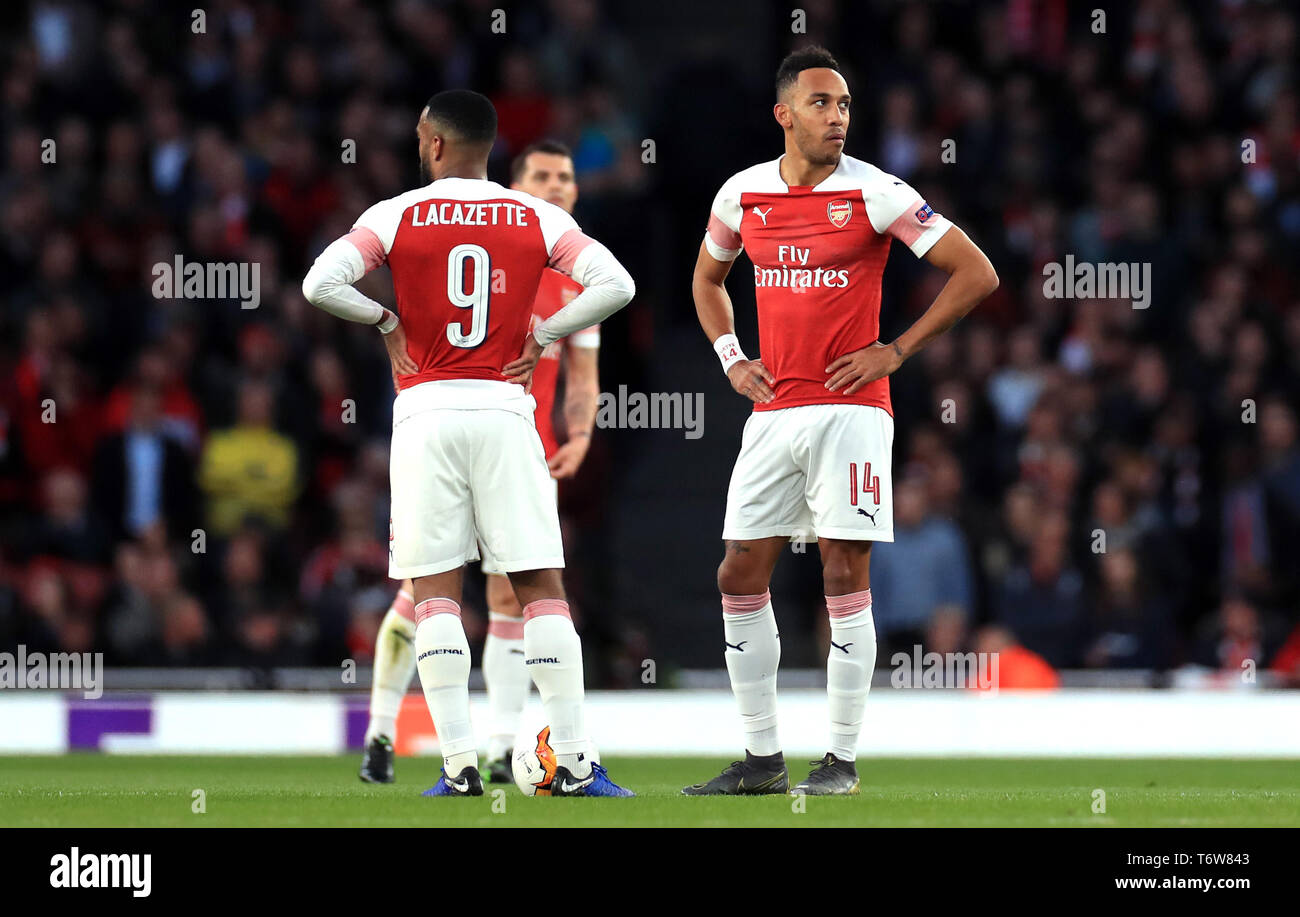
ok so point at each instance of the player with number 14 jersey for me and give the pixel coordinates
(815, 456)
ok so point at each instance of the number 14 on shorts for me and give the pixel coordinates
(870, 483)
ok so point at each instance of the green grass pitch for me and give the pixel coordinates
(90, 790)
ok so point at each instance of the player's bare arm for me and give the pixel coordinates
(971, 278)
(713, 306)
(581, 398)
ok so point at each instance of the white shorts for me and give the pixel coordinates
(817, 470)
(491, 565)
(464, 477)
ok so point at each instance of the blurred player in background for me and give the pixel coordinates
(815, 457)
(544, 170)
(467, 257)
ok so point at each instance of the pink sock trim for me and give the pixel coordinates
(841, 606)
(545, 607)
(404, 604)
(506, 628)
(430, 607)
(745, 604)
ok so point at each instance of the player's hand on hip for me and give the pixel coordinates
(520, 371)
(752, 379)
(567, 459)
(395, 341)
(860, 367)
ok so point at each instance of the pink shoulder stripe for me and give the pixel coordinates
(723, 235)
(366, 242)
(907, 228)
(567, 248)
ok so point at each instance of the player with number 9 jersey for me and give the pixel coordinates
(467, 257)
(466, 462)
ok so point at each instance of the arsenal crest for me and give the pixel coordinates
(839, 212)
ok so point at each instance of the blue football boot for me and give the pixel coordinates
(597, 783)
(466, 783)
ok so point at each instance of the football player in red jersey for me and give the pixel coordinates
(468, 471)
(814, 461)
(544, 170)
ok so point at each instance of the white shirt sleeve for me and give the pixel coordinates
(607, 287)
(896, 209)
(722, 237)
(328, 284)
(382, 219)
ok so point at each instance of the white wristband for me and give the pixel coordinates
(727, 347)
(388, 322)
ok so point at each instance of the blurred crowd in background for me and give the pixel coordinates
(187, 482)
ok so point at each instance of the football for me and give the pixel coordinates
(533, 764)
(533, 761)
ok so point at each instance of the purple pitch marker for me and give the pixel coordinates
(90, 720)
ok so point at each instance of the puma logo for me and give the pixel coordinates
(871, 516)
(738, 647)
(761, 215)
(844, 648)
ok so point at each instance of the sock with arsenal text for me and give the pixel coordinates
(553, 654)
(442, 657)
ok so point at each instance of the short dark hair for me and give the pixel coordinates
(520, 162)
(468, 115)
(798, 61)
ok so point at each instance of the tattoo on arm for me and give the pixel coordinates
(737, 547)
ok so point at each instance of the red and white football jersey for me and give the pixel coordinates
(819, 254)
(553, 294)
(467, 257)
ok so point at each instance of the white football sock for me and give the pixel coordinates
(849, 664)
(553, 654)
(753, 652)
(394, 667)
(507, 680)
(442, 655)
